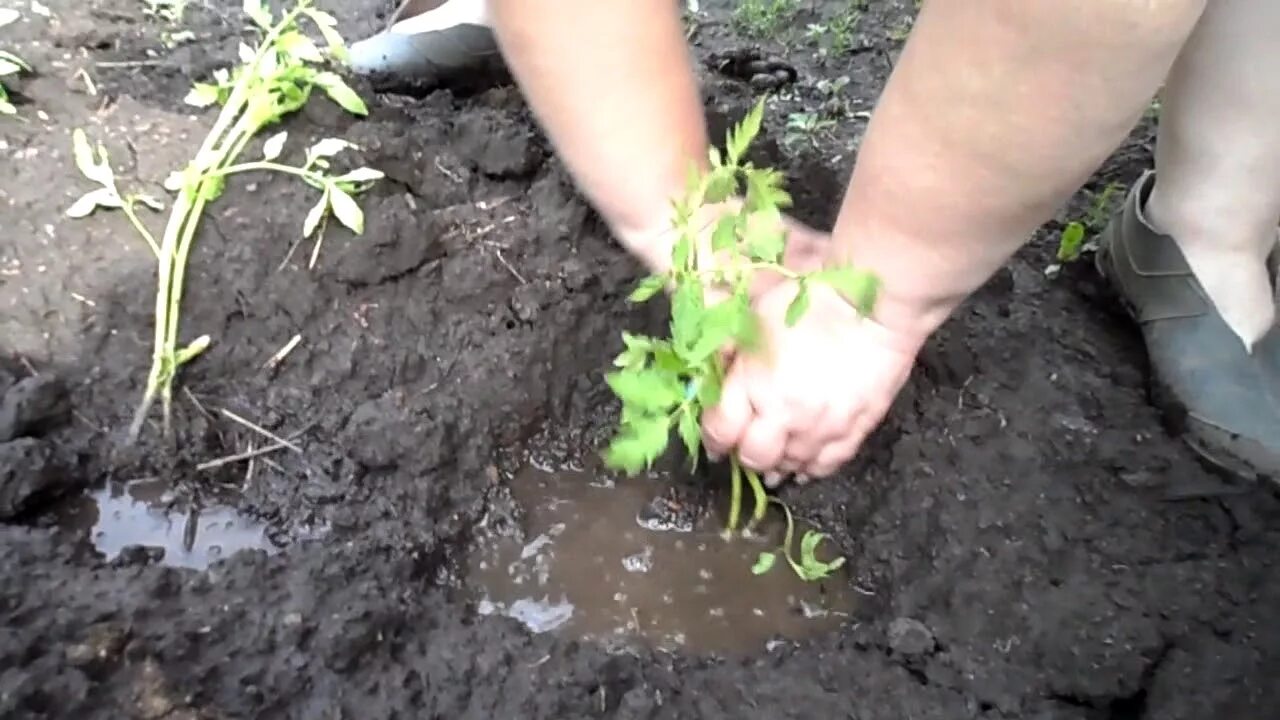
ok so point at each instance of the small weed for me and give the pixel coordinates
(170, 11)
(665, 383)
(839, 31)
(272, 81)
(10, 64)
(806, 127)
(763, 18)
(1071, 243)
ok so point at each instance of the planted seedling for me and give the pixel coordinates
(666, 383)
(10, 64)
(272, 81)
(808, 566)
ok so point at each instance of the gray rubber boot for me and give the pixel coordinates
(430, 42)
(1225, 399)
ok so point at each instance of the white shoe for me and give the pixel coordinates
(430, 41)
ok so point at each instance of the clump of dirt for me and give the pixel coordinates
(1027, 538)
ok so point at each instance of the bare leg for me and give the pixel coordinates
(1217, 186)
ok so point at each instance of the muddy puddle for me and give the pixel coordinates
(594, 565)
(138, 515)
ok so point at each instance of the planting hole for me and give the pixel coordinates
(590, 568)
(118, 517)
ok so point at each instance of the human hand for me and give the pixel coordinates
(806, 401)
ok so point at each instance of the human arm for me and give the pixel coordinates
(613, 86)
(995, 114)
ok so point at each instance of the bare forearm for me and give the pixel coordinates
(994, 116)
(612, 84)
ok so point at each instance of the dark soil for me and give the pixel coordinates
(1038, 542)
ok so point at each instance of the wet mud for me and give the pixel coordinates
(1026, 537)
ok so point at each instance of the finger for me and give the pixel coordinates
(762, 445)
(811, 433)
(724, 423)
(832, 457)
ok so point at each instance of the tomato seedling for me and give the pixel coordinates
(10, 64)
(272, 81)
(666, 383)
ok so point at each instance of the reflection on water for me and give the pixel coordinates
(117, 517)
(589, 569)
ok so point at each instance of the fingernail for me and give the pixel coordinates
(714, 456)
(773, 479)
(802, 479)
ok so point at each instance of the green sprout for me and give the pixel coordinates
(666, 383)
(808, 567)
(272, 81)
(10, 64)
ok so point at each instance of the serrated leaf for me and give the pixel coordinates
(741, 136)
(798, 305)
(316, 214)
(640, 443)
(722, 183)
(647, 288)
(274, 145)
(687, 307)
(92, 200)
(765, 236)
(202, 95)
(649, 390)
(858, 287)
(299, 46)
(346, 210)
(725, 236)
(341, 93)
(719, 325)
(764, 563)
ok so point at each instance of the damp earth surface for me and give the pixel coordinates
(1026, 537)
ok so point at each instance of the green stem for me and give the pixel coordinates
(180, 229)
(761, 499)
(735, 498)
(312, 178)
(127, 206)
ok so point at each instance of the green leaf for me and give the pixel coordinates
(346, 210)
(687, 307)
(642, 442)
(690, 433)
(647, 288)
(765, 191)
(194, 348)
(361, 175)
(764, 563)
(650, 390)
(725, 236)
(722, 183)
(299, 46)
(1071, 242)
(858, 287)
(327, 25)
(740, 137)
(766, 238)
(719, 325)
(202, 95)
(341, 93)
(709, 387)
(799, 304)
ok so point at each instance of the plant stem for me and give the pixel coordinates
(181, 229)
(127, 207)
(312, 178)
(761, 498)
(735, 497)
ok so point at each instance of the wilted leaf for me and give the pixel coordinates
(341, 93)
(346, 210)
(202, 95)
(316, 214)
(274, 145)
(92, 200)
(364, 174)
(328, 147)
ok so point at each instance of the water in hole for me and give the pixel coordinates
(589, 568)
(118, 516)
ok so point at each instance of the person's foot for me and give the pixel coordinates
(430, 42)
(1224, 399)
